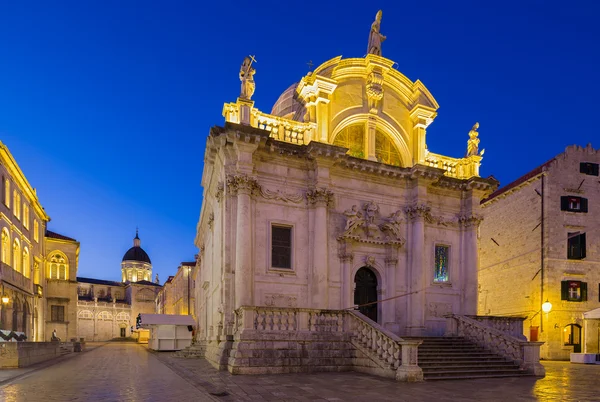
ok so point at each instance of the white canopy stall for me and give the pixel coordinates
(585, 357)
(168, 332)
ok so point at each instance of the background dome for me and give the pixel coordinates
(136, 254)
(288, 105)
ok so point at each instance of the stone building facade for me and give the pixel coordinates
(22, 253)
(539, 242)
(176, 295)
(332, 201)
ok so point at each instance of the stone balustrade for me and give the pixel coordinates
(391, 355)
(512, 326)
(525, 354)
(461, 168)
(280, 128)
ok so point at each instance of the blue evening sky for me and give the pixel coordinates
(106, 104)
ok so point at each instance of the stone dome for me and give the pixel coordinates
(136, 254)
(289, 106)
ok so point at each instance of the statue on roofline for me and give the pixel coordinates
(375, 37)
(473, 142)
(247, 77)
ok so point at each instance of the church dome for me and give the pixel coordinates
(136, 253)
(288, 105)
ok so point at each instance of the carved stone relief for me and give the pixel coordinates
(280, 195)
(280, 300)
(368, 227)
(438, 310)
(319, 195)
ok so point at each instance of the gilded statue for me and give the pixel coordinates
(473, 143)
(375, 37)
(247, 77)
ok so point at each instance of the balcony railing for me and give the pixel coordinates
(16, 279)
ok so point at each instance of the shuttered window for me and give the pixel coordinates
(576, 246)
(573, 204)
(573, 291)
(57, 313)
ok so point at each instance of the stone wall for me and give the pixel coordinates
(23, 354)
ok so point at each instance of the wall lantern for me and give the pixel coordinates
(547, 306)
(5, 298)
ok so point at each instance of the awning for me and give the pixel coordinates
(592, 314)
(166, 319)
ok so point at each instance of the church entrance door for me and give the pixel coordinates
(365, 291)
(122, 332)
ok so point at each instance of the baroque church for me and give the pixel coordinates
(333, 203)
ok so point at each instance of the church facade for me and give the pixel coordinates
(333, 201)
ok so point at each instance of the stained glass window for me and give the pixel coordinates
(441, 263)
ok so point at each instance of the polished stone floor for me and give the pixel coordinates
(128, 372)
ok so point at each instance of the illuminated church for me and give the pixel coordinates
(333, 200)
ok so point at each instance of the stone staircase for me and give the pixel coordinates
(194, 351)
(65, 349)
(453, 358)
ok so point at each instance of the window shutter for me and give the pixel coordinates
(583, 291)
(595, 169)
(564, 203)
(564, 290)
(584, 205)
(582, 244)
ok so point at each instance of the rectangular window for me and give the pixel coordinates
(36, 231)
(7, 192)
(281, 247)
(589, 168)
(17, 205)
(25, 216)
(573, 291)
(57, 313)
(576, 246)
(573, 204)
(442, 254)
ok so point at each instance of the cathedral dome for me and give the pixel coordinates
(136, 253)
(289, 106)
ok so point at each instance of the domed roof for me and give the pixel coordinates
(289, 106)
(136, 254)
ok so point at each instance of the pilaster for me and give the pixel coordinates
(422, 117)
(319, 199)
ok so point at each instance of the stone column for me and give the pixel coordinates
(243, 185)
(417, 270)
(346, 259)
(389, 308)
(320, 199)
(469, 226)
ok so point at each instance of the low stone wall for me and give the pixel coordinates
(265, 352)
(23, 354)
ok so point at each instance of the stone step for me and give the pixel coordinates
(458, 354)
(472, 376)
(446, 363)
(469, 367)
(451, 359)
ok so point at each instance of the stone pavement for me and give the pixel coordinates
(563, 382)
(114, 372)
(129, 372)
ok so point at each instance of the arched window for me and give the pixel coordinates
(353, 138)
(123, 317)
(58, 266)
(385, 150)
(5, 246)
(17, 255)
(105, 315)
(26, 263)
(85, 315)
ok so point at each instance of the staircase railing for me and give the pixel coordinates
(525, 354)
(392, 352)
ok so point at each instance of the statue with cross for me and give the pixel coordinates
(247, 77)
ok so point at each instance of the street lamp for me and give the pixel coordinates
(547, 306)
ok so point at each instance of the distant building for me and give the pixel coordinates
(107, 309)
(530, 255)
(177, 295)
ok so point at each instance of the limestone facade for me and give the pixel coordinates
(22, 254)
(334, 201)
(176, 295)
(525, 262)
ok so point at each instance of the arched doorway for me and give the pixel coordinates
(572, 337)
(365, 291)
